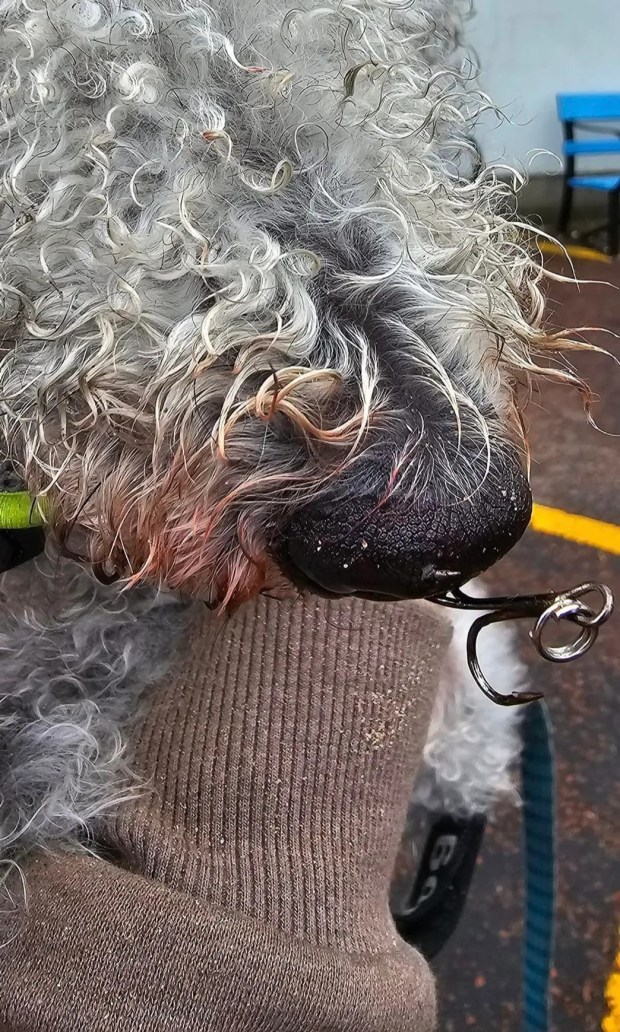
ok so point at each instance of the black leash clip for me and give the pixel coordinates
(546, 608)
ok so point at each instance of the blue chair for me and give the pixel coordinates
(589, 112)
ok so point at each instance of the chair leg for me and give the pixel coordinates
(565, 206)
(614, 223)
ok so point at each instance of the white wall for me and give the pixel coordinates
(529, 50)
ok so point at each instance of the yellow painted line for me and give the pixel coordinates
(611, 1021)
(574, 251)
(583, 530)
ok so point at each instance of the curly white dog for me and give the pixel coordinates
(264, 319)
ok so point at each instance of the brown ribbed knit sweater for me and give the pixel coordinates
(247, 889)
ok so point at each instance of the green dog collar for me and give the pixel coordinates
(19, 511)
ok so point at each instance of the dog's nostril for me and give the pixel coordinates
(405, 549)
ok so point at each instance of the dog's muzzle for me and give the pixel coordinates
(398, 549)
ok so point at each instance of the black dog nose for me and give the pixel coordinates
(402, 549)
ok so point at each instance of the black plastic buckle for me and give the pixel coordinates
(437, 899)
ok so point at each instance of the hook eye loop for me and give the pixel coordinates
(575, 612)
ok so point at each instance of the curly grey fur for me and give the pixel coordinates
(473, 744)
(238, 255)
(74, 658)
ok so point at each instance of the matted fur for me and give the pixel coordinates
(234, 239)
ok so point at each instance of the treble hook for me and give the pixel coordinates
(549, 605)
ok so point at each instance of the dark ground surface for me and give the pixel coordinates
(578, 470)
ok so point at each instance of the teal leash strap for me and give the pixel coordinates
(538, 779)
(537, 762)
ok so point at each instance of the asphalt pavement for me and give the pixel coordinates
(575, 469)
